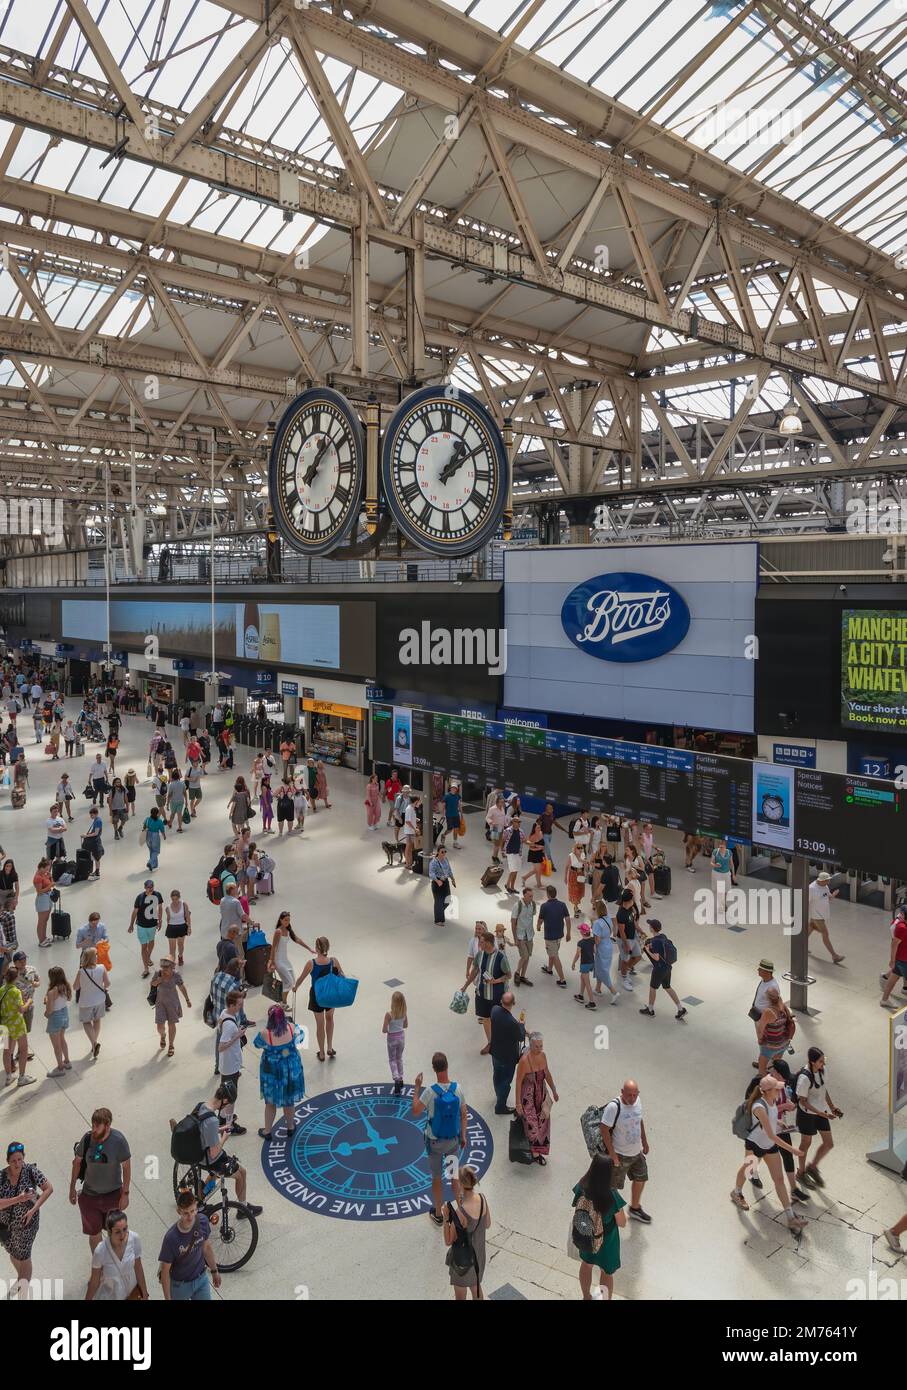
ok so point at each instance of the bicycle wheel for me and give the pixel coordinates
(185, 1179)
(234, 1235)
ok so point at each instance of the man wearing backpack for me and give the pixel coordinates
(662, 953)
(623, 1135)
(445, 1131)
(211, 1128)
(102, 1163)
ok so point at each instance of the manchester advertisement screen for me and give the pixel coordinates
(874, 668)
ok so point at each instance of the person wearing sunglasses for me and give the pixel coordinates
(102, 1162)
(23, 1191)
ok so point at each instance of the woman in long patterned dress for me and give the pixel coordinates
(534, 1082)
(575, 878)
(280, 1075)
(373, 802)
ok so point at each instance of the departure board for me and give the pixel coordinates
(857, 822)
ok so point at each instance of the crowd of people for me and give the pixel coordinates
(600, 903)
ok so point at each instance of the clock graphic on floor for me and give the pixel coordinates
(316, 472)
(358, 1154)
(444, 471)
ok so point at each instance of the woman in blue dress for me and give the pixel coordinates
(280, 1074)
(604, 950)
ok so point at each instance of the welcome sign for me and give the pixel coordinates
(625, 617)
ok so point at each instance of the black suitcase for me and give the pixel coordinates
(518, 1150)
(256, 961)
(662, 880)
(60, 925)
(84, 865)
(492, 875)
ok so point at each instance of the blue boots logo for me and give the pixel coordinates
(625, 617)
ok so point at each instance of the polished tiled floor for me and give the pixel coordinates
(379, 921)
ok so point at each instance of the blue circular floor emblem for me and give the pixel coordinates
(359, 1155)
(625, 617)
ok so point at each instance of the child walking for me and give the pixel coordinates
(585, 957)
(395, 1024)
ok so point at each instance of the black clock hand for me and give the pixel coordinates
(309, 475)
(455, 461)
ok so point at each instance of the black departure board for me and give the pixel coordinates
(857, 822)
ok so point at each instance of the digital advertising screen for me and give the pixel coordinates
(874, 668)
(294, 634)
(773, 806)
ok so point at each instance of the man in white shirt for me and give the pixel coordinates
(36, 694)
(410, 830)
(97, 774)
(56, 828)
(623, 1135)
(820, 896)
(231, 911)
(229, 1053)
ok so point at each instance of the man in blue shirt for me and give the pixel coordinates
(440, 873)
(553, 915)
(453, 809)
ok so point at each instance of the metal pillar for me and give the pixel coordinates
(798, 975)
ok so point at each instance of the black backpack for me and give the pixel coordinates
(463, 1257)
(186, 1145)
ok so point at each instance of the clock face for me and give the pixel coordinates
(444, 471)
(358, 1154)
(316, 473)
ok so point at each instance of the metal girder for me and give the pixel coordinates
(321, 198)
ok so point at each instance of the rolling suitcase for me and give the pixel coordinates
(492, 875)
(60, 926)
(17, 798)
(662, 879)
(84, 865)
(80, 749)
(265, 885)
(256, 961)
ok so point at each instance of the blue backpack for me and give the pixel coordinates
(445, 1121)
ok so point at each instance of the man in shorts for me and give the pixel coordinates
(522, 930)
(147, 915)
(656, 948)
(553, 916)
(445, 1130)
(624, 1138)
(215, 1129)
(106, 1176)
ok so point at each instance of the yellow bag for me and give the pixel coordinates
(546, 868)
(103, 950)
(462, 825)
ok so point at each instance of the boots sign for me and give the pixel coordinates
(625, 617)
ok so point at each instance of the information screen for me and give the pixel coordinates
(854, 821)
(874, 668)
(858, 822)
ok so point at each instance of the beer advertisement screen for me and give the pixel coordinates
(293, 633)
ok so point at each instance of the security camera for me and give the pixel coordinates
(842, 588)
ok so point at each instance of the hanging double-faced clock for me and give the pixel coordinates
(316, 472)
(444, 471)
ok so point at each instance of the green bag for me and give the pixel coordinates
(187, 815)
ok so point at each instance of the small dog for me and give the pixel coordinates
(390, 849)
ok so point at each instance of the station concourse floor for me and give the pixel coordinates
(379, 920)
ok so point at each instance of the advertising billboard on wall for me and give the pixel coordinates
(662, 634)
(874, 668)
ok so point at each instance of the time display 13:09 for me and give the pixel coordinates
(815, 847)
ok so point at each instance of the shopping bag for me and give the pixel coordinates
(335, 991)
(518, 1149)
(273, 988)
(103, 950)
(546, 868)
